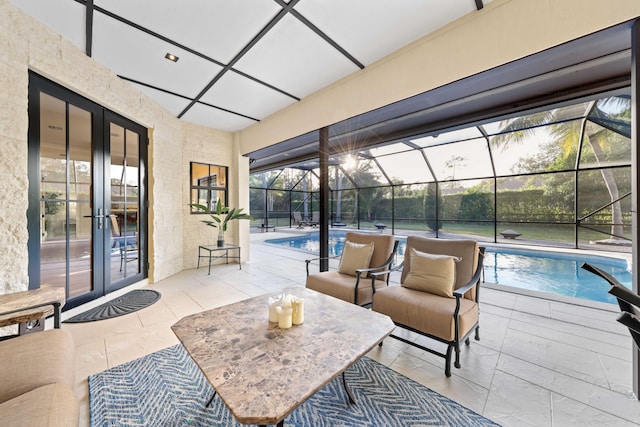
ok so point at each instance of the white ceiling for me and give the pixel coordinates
(241, 60)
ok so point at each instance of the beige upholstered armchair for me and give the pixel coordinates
(438, 295)
(363, 254)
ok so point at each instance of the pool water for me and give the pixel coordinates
(545, 271)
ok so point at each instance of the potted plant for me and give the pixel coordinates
(221, 217)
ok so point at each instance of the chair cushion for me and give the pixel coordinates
(431, 273)
(382, 247)
(34, 360)
(355, 256)
(53, 405)
(342, 286)
(425, 312)
(466, 250)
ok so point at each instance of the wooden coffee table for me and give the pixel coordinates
(262, 373)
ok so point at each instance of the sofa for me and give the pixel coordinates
(37, 380)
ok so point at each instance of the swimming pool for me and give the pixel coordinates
(546, 271)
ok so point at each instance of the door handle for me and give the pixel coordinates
(100, 217)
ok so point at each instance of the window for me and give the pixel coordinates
(208, 185)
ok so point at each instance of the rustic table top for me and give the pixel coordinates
(262, 372)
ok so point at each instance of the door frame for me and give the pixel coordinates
(101, 117)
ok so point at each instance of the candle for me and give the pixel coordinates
(297, 304)
(273, 314)
(284, 316)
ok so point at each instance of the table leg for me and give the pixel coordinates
(239, 258)
(56, 315)
(346, 388)
(210, 253)
(211, 400)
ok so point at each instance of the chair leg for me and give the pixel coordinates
(467, 341)
(447, 362)
(477, 333)
(457, 362)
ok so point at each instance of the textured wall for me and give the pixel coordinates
(26, 44)
(205, 146)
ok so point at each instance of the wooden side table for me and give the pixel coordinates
(32, 305)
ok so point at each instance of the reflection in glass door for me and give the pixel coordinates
(87, 200)
(65, 182)
(125, 200)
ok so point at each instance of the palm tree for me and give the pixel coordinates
(568, 134)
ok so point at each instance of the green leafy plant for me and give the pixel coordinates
(222, 215)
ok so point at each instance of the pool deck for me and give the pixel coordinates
(539, 362)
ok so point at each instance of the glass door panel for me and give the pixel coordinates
(125, 202)
(79, 217)
(65, 174)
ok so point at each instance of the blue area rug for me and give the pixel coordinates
(166, 388)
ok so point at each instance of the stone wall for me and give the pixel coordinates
(26, 44)
(204, 146)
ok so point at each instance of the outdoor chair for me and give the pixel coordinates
(127, 244)
(438, 293)
(362, 255)
(628, 301)
(297, 218)
(315, 219)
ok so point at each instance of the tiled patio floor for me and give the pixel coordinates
(539, 362)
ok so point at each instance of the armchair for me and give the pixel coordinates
(438, 295)
(628, 301)
(349, 284)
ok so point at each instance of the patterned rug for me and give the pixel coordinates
(166, 388)
(125, 304)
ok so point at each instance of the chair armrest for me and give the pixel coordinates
(459, 293)
(390, 270)
(308, 261)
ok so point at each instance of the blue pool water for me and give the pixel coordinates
(545, 271)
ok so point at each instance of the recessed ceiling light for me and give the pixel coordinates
(171, 57)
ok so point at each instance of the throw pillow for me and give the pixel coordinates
(432, 273)
(355, 256)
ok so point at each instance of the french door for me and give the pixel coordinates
(87, 195)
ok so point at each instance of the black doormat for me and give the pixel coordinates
(127, 303)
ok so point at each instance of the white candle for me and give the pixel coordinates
(273, 314)
(273, 302)
(298, 311)
(284, 316)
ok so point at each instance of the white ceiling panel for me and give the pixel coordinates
(217, 119)
(289, 61)
(136, 55)
(295, 59)
(65, 17)
(175, 104)
(216, 28)
(239, 94)
(372, 29)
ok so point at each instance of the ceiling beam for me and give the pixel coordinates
(283, 12)
(320, 33)
(88, 28)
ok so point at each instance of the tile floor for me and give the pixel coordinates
(539, 362)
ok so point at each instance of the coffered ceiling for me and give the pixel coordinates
(240, 60)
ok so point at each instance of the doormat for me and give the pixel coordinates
(125, 304)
